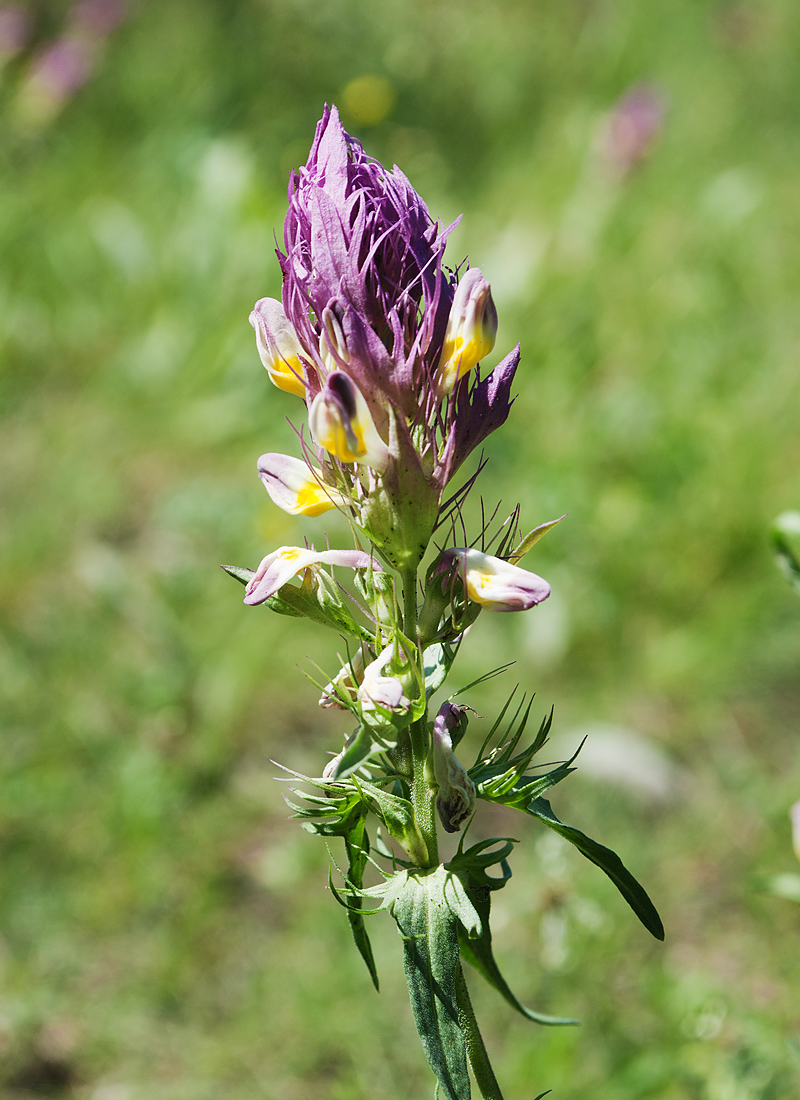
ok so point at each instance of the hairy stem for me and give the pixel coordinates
(422, 797)
(476, 1050)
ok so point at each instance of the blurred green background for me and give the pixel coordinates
(166, 931)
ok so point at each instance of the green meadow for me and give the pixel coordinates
(166, 931)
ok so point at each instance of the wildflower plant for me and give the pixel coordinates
(382, 342)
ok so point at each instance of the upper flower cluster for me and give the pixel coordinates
(364, 282)
(380, 339)
(375, 333)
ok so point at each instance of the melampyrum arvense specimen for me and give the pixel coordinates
(382, 343)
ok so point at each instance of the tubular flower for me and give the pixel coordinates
(340, 421)
(296, 488)
(278, 346)
(277, 568)
(496, 584)
(456, 798)
(471, 331)
(379, 692)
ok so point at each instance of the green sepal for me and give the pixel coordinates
(399, 513)
(429, 930)
(609, 862)
(378, 589)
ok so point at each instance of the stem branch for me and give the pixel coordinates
(422, 797)
(476, 1050)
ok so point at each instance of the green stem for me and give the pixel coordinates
(476, 1050)
(410, 604)
(422, 797)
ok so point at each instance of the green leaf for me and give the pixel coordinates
(398, 816)
(430, 959)
(471, 867)
(437, 660)
(532, 537)
(361, 745)
(460, 904)
(357, 847)
(477, 950)
(635, 894)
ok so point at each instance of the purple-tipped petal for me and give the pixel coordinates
(495, 584)
(295, 487)
(278, 568)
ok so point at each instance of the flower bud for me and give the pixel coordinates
(496, 584)
(332, 346)
(340, 421)
(456, 798)
(382, 697)
(471, 331)
(278, 346)
(296, 488)
(345, 682)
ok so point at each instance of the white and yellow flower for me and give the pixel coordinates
(495, 584)
(471, 331)
(296, 487)
(341, 422)
(278, 346)
(278, 568)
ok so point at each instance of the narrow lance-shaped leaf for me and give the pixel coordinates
(430, 959)
(478, 952)
(633, 892)
(530, 540)
(476, 939)
(357, 848)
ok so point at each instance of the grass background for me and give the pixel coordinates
(166, 931)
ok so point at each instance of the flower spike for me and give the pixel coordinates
(341, 422)
(296, 488)
(496, 584)
(278, 346)
(471, 331)
(277, 568)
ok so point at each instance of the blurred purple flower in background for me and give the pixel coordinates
(62, 68)
(633, 127)
(15, 30)
(98, 18)
(58, 69)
